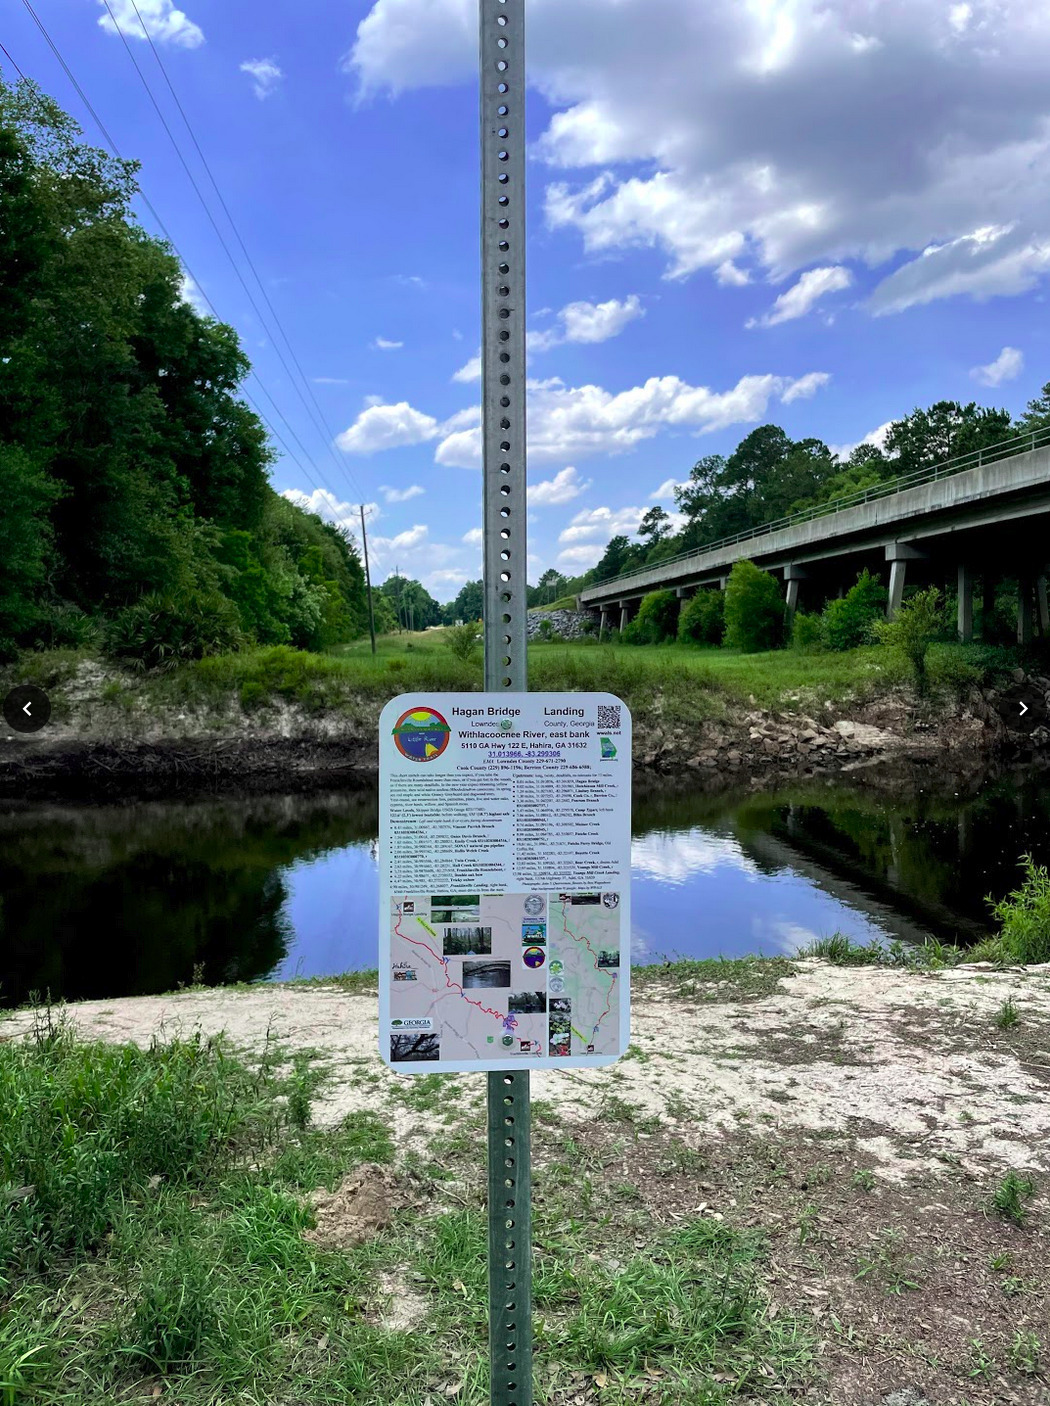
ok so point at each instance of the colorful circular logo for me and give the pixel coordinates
(421, 734)
(534, 956)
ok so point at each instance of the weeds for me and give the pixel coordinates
(1009, 1197)
(1007, 1015)
(889, 1263)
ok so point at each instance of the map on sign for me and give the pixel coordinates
(504, 858)
(518, 973)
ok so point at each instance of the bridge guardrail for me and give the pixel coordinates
(975, 459)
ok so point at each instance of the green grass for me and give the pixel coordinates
(1010, 1197)
(932, 955)
(718, 978)
(1007, 1015)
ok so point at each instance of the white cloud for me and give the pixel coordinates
(601, 522)
(665, 493)
(471, 371)
(190, 293)
(163, 23)
(562, 488)
(597, 322)
(400, 495)
(793, 157)
(580, 558)
(797, 300)
(574, 422)
(387, 427)
(330, 381)
(876, 437)
(326, 505)
(1006, 367)
(381, 344)
(474, 537)
(730, 276)
(265, 74)
(995, 260)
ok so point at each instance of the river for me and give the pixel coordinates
(126, 900)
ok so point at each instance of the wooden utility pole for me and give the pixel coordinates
(368, 581)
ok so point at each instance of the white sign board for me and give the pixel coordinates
(504, 863)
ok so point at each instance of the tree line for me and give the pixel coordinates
(137, 511)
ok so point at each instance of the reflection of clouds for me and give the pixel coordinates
(674, 858)
(641, 944)
(789, 938)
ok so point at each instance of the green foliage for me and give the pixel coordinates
(702, 620)
(1010, 1195)
(464, 640)
(1006, 1017)
(806, 632)
(754, 609)
(918, 623)
(1024, 917)
(656, 621)
(470, 602)
(848, 622)
(134, 480)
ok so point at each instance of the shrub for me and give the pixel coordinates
(464, 640)
(1024, 917)
(848, 622)
(754, 609)
(703, 618)
(806, 634)
(656, 621)
(914, 628)
(159, 631)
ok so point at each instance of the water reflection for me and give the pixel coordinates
(114, 901)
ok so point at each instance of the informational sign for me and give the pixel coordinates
(504, 860)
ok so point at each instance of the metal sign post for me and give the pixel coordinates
(502, 62)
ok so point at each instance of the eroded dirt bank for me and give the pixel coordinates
(92, 752)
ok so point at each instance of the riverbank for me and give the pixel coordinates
(281, 720)
(830, 1144)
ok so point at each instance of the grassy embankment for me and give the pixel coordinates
(679, 683)
(155, 1242)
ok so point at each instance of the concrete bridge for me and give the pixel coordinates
(980, 518)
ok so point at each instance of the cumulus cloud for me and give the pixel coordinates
(1006, 366)
(381, 344)
(665, 493)
(387, 427)
(992, 260)
(604, 523)
(573, 422)
(400, 495)
(797, 300)
(876, 437)
(474, 537)
(562, 488)
(265, 75)
(580, 558)
(162, 21)
(471, 371)
(326, 505)
(793, 156)
(190, 293)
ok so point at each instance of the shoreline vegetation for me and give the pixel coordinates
(201, 1203)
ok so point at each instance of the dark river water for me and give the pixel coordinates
(133, 899)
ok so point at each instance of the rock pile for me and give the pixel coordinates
(566, 624)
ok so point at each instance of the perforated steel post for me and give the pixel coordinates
(503, 404)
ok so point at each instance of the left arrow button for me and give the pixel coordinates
(27, 708)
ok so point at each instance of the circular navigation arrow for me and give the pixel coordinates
(27, 708)
(1022, 708)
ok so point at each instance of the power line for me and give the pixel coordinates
(185, 264)
(324, 433)
(11, 61)
(240, 241)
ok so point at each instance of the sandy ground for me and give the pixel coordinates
(911, 1065)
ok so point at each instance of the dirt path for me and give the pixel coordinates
(912, 1065)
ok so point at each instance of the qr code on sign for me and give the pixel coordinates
(608, 716)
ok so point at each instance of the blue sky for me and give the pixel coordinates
(819, 213)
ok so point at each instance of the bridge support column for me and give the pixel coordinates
(898, 554)
(792, 576)
(1042, 606)
(625, 614)
(965, 604)
(1025, 614)
(603, 623)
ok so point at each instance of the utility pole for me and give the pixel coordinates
(368, 582)
(502, 60)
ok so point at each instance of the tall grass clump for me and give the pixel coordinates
(1024, 917)
(86, 1128)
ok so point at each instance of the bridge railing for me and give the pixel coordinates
(977, 458)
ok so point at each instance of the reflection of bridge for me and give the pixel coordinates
(902, 914)
(985, 515)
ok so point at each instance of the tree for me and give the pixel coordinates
(656, 621)
(754, 609)
(913, 629)
(702, 620)
(848, 622)
(468, 605)
(654, 526)
(697, 497)
(620, 556)
(929, 437)
(1037, 415)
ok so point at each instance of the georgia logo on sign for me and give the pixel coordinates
(421, 734)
